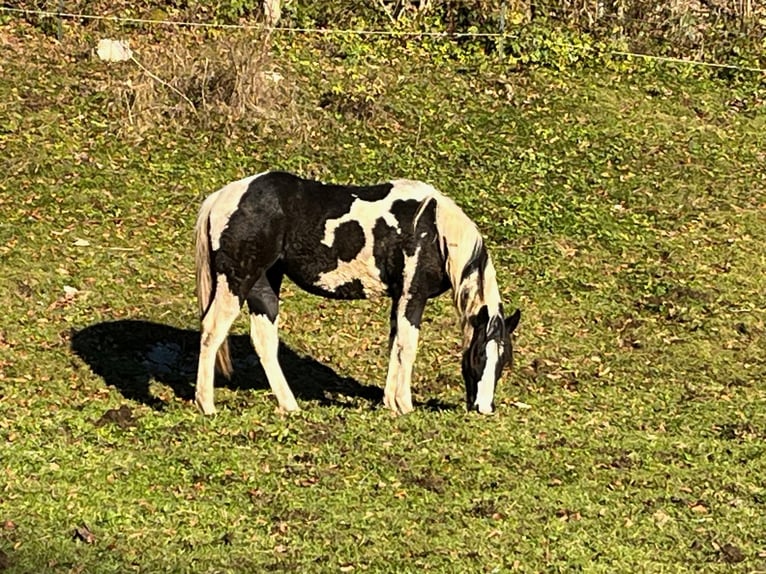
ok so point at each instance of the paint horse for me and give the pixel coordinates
(402, 239)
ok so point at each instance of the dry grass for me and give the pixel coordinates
(216, 83)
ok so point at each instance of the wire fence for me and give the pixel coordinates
(501, 36)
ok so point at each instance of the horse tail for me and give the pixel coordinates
(205, 285)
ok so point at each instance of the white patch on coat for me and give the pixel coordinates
(486, 388)
(362, 267)
(224, 203)
(367, 213)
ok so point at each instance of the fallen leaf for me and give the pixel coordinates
(699, 507)
(70, 292)
(661, 517)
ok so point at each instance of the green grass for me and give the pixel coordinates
(624, 211)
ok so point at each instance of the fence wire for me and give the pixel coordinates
(359, 32)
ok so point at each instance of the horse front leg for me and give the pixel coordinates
(265, 338)
(404, 347)
(263, 303)
(389, 394)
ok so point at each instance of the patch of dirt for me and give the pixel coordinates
(317, 432)
(5, 560)
(428, 481)
(304, 472)
(731, 554)
(287, 565)
(487, 509)
(619, 459)
(122, 417)
(622, 462)
(738, 431)
(83, 534)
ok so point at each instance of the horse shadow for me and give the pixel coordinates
(130, 354)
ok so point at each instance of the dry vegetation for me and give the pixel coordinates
(210, 84)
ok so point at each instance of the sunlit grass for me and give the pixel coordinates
(624, 213)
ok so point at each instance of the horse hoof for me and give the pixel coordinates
(205, 407)
(404, 409)
(391, 406)
(290, 408)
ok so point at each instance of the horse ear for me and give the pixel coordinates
(513, 321)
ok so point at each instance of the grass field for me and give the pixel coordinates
(624, 208)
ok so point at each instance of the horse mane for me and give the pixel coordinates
(467, 264)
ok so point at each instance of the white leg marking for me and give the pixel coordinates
(389, 394)
(398, 393)
(486, 391)
(406, 348)
(215, 327)
(265, 339)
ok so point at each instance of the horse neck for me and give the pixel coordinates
(462, 245)
(478, 289)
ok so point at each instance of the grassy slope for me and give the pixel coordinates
(624, 211)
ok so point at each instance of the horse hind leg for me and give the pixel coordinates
(216, 323)
(263, 303)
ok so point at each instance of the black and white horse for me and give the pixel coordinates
(402, 239)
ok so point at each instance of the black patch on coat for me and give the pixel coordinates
(404, 210)
(282, 217)
(476, 264)
(349, 240)
(351, 290)
(263, 298)
(389, 257)
(475, 356)
(392, 245)
(430, 279)
(252, 241)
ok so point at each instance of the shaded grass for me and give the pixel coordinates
(624, 215)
